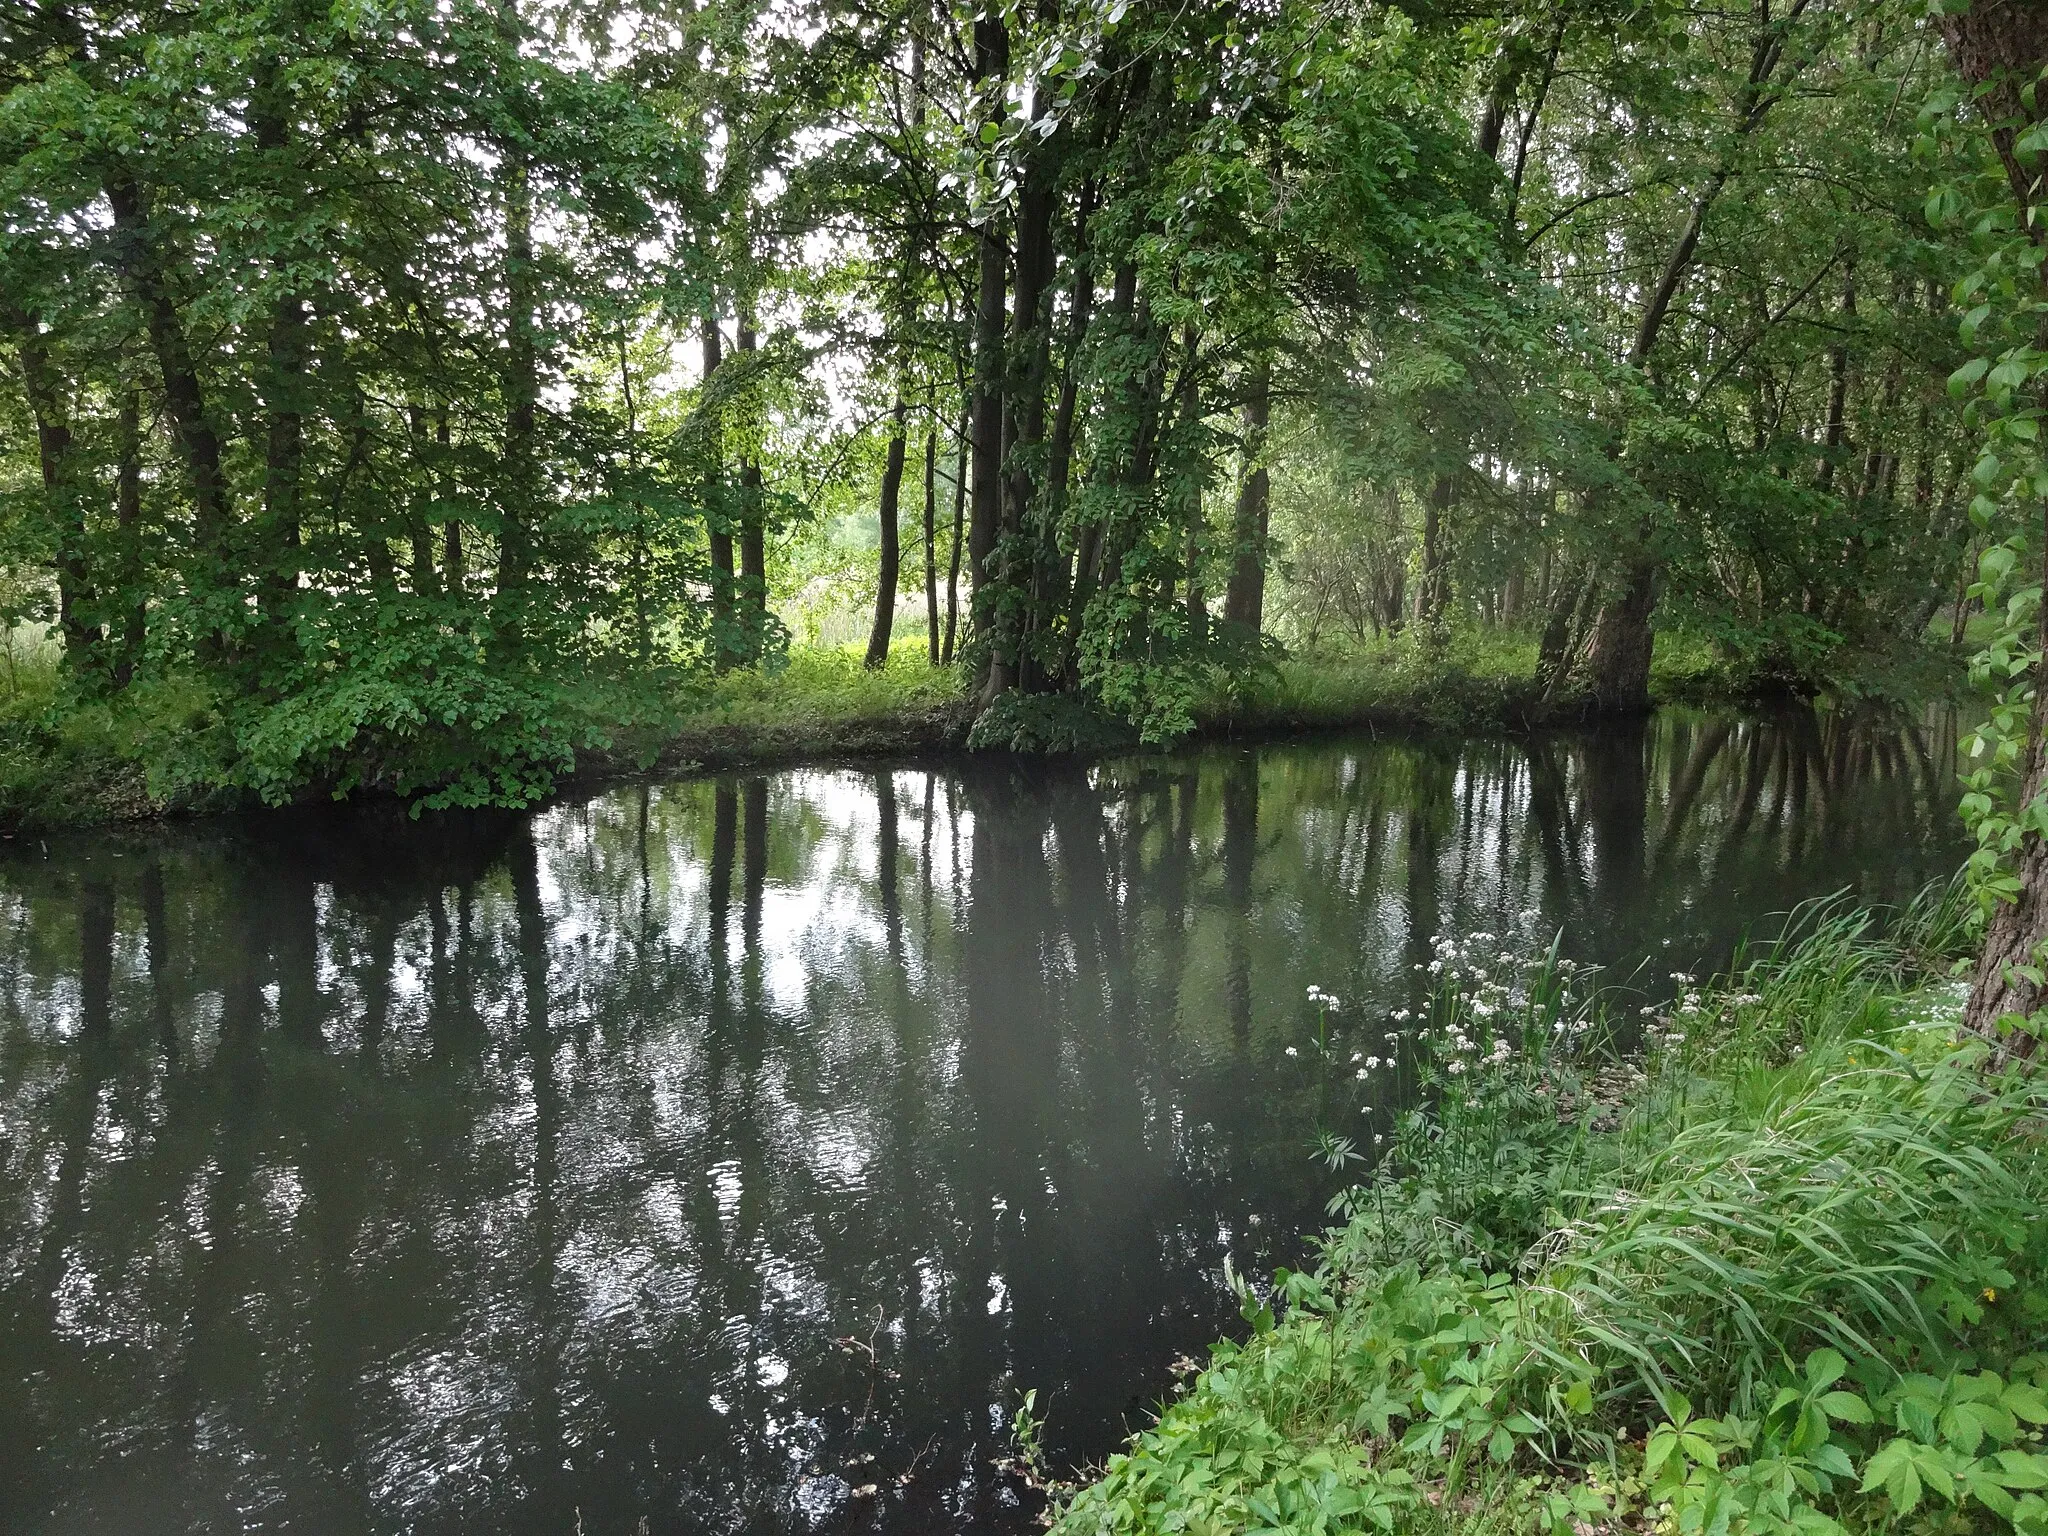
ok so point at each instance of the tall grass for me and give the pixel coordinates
(1814, 1215)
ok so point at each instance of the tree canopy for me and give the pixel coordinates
(404, 395)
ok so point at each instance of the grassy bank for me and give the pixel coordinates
(157, 750)
(1782, 1270)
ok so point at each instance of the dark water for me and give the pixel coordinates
(691, 1157)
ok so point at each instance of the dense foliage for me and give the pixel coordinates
(413, 396)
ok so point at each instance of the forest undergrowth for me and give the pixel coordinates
(1767, 1258)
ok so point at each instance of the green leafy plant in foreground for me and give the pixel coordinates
(1797, 1288)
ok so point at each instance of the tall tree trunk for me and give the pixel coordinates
(453, 572)
(2001, 47)
(753, 583)
(991, 62)
(725, 648)
(960, 471)
(931, 548)
(285, 374)
(141, 264)
(128, 519)
(1244, 598)
(891, 562)
(918, 104)
(419, 531)
(64, 494)
(1838, 387)
(1112, 467)
(1029, 353)
(519, 499)
(1432, 599)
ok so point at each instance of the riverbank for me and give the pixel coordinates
(1782, 1269)
(94, 764)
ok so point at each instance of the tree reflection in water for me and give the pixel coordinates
(500, 1173)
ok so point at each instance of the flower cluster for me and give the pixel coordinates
(1667, 1025)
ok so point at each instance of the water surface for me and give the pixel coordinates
(731, 1154)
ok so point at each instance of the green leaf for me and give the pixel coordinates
(1846, 1406)
(1964, 378)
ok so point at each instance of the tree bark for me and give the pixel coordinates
(128, 519)
(1618, 654)
(1244, 598)
(1029, 354)
(1838, 388)
(64, 493)
(960, 470)
(141, 265)
(2001, 47)
(753, 583)
(931, 548)
(418, 529)
(285, 381)
(891, 563)
(452, 571)
(725, 652)
(1433, 597)
(991, 63)
(521, 385)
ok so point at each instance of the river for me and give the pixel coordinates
(732, 1154)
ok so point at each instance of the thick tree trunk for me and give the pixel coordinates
(2017, 935)
(1030, 350)
(1617, 671)
(891, 563)
(141, 266)
(2001, 47)
(1244, 598)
